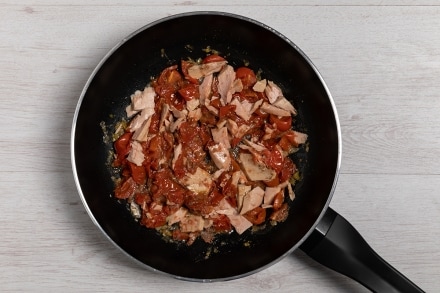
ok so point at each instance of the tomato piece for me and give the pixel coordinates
(167, 188)
(274, 159)
(155, 219)
(188, 132)
(166, 92)
(198, 204)
(185, 65)
(126, 189)
(179, 235)
(213, 58)
(288, 140)
(221, 224)
(216, 103)
(142, 198)
(281, 214)
(169, 75)
(138, 173)
(272, 183)
(278, 200)
(122, 145)
(246, 75)
(225, 110)
(179, 168)
(287, 171)
(282, 123)
(189, 92)
(207, 117)
(215, 197)
(235, 141)
(248, 94)
(154, 124)
(230, 192)
(256, 216)
(155, 152)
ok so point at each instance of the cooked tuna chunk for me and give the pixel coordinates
(300, 137)
(252, 199)
(270, 193)
(141, 134)
(272, 91)
(200, 70)
(205, 88)
(139, 120)
(220, 135)
(260, 86)
(256, 171)
(271, 109)
(242, 191)
(178, 216)
(225, 80)
(200, 182)
(240, 223)
(220, 156)
(237, 132)
(136, 154)
(145, 99)
(242, 109)
(192, 223)
(283, 103)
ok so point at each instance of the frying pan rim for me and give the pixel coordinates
(188, 14)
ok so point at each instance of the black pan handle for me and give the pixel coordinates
(336, 244)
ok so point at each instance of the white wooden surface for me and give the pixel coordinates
(381, 60)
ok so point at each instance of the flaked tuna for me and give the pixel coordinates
(200, 70)
(136, 154)
(220, 156)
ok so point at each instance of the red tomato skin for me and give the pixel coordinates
(256, 216)
(222, 224)
(138, 173)
(122, 147)
(126, 189)
(274, 159)
(246, 75)
(155, 220)
(282, 123)
(169, 76)
(287, 141)
(225, 110)
(213, 58)
(142, 198)
(287, 171)
(189, 92)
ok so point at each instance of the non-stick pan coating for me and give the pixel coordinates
(129, 67)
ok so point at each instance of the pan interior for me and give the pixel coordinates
(131, 65)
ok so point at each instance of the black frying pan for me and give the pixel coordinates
(311, 224)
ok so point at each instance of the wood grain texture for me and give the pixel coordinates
(380, 60)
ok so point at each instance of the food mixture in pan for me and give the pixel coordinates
(205, 150)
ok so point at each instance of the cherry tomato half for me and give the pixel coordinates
(189, 92)
(274, 159)
(225, 110)
(246, 75)
(169, 75)
(122, 148)
(213, 58)
(282, 123)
